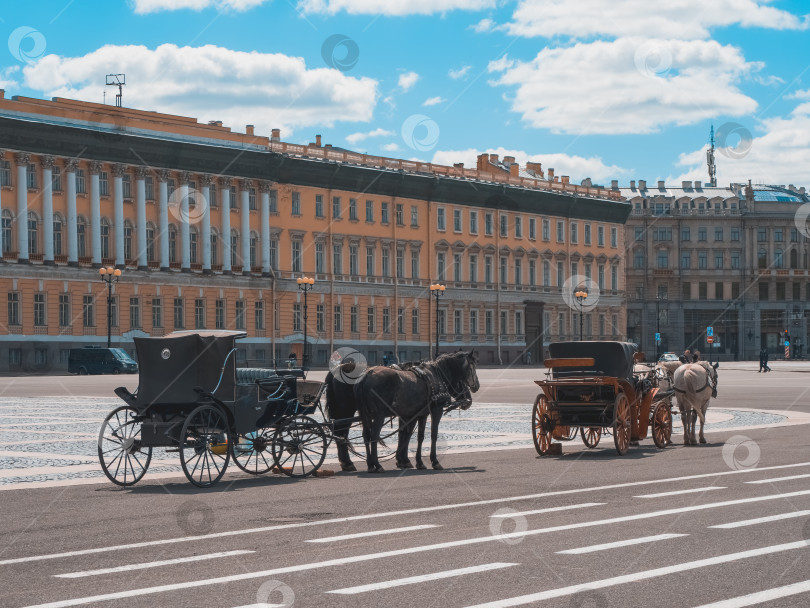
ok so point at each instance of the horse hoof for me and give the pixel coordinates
(349, 468)
(376, 469)
(437, 467)
(702, 440)
(405, 465)
(421, 466)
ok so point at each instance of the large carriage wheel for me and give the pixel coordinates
(591, 435)
(542, 425)
(662, 425)
(123, 458)
(204, 450)
(621, 424)
(252, 453)
(299, 446)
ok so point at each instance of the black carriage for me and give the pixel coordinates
(594, 388)
(192, 399)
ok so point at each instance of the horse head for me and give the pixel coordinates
(459, 373)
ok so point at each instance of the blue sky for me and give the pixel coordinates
(620, 89)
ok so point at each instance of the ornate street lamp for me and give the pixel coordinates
(305, 284)
(581, 295)
(438, 291)
(109, 275)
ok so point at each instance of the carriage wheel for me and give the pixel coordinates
(542, 425)
(621, 424)
(662, 425)
(299, 446)
(204, 450)
(252, 453)
(123, 457)
(591, 436)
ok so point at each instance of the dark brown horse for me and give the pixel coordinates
(412, 395)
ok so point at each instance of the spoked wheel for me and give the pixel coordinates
(572, 433)
(204, 450)
(252, 452)
(543, 425)
(386, 447)
(123, 458)
(662, 425)
(299, 446)
(591, 435)
(621, 424)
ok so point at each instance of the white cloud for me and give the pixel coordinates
(682, 19)
(8, 77)
(392, 147)
(407, 80)
(432, 101)
(805, 94)
(143, 7)
(459, 73)
(390, 8)
(213, 83)
(775, 153)
(485, 25)
(577, 167)
(630, 85)
(358, 137)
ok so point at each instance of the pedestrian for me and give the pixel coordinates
(528, 357)
(763, 360)
(696, 356)
(686, 357)
(291, 360)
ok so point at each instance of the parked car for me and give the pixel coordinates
(668, 357)
(98, 360)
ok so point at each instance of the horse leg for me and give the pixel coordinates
(703, 409)
(435, 418)
(403, 439)
(342, 441)
(420, 437)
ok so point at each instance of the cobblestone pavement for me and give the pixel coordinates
(50, 441)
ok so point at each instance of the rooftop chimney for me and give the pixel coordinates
(698, 185)
(661, 185)
(642, 184)
(318, 140)
(614, 184)
(249, 130)
(458, 165)
(686, 185)
(551, 174)
(565, 179)
(2, 93)
(215, 123)
(275, 135)
(483, 163)
(632, 184)
(587, 182)
(535, 168)
(493, 158)
(508, 160)
(514, 169)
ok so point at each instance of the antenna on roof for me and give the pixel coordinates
(710, 161)
(117, 80)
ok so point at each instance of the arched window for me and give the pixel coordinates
(762, 259)
(7, 221)
(128, 230)
(81, 236)
(235, 247)
(105, 238)
(778, 259)
(33, 233)
(58, 223)
(214, 247)
(172, 243)
(150, 242)
(794, 258)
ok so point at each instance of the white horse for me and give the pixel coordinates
(695, 384)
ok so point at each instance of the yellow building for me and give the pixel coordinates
(211, 229)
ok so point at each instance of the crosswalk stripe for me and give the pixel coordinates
(761, 520)
(621, 543)
(752, 599)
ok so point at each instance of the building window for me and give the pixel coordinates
(778, 235)
(149, 188)
(702, 290)
(134, 313)
(638, 260)
(369, 211)
(546, 274)
(718, 261)
(473, 322)
(718, 234)
(400, 263)
(336, 207)
(778, 259)
(296, 256)
(762, 235)
(735, 234)
(296, 203)
(718, 290)
(703, 261)
(601, 277)
(686, 290)
(157, 313)
(440, 220)
(763, 291)
(414, 264)
(399, 215)
(127, 240)
(504, 326)
(614, 240)
(81, 186)
(386, 320)
(532, 228)
(457, 267)
(560, 232)
(353, 260)
(240, 315)
(614, 278)
(258, 315)
(105, 238)
(126, 186)
(353, 209)
(400, 320)
(353, 312)
(297, 318)
(337, 314)
(504, 225)
(371, 319)
(319, 205)
(686, 260)
(440, 266)
(173, 244)
(488, 224)
(560, 274)
(518, 271)
(219, 314)
(252, 246)
(178, 313)
(473, 268)
(273, 254)
(5, 173)
(574, 233)
(414, 216)
(488, 323)
(320, 257)
(473, 222)
(735, 260)
(488, 269)
(14, 308)
(685, 234)
(88, 311)
(56, 178)
(252, 199)
(762, 259)
(150, 243)
(503, 276)
(272, 200)
(337, 258)
(370, 261)
(31, 176)
(33, 233)
(64, 310)
(415, 321)
(457, 220)
(457, 322)
(600, 236)
(14, 357)
(386, 261)
(383, 213)
(199, 314)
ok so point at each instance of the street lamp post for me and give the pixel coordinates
(581, 295)
(305, 284)
(109, 275)
(438, 291)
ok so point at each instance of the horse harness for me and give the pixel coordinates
(438, 393)
(702, 388)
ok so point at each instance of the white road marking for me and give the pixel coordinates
(412, 580)
(621, 543)
(340, 520)
(679, 492)
(144, 566)
(264, 606)
(640, 576)
(397, 552)
(774, 479)
(752, 599)
(548, 510)
(332, 539)
(761, 520)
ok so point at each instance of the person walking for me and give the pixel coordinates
(763, 360)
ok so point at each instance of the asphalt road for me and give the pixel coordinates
(491, 529)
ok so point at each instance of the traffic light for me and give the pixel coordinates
(787, 336)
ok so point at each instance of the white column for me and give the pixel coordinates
(47, 208)
(206, 223)
(163, 194)
(244, 194)
(72, 230)
(22, 159)
(185, 239)
(140, 194)
(118, 209)
(265, 229)
(95, 213)
(225, 206)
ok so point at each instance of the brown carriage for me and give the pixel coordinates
(594, 387)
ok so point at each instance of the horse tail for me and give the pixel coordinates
(331, 398)
(363, 405)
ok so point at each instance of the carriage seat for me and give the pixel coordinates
(610, 359)
(249, 375)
